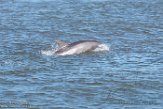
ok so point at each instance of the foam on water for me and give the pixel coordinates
(51, 51)
(101, 47)
(48, 52)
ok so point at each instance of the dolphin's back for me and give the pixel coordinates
(84, 41)
(78, 47)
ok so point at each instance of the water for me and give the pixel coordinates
(129, 76)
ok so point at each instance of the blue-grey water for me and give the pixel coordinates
(129, 76)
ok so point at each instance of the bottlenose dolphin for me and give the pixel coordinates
(78, 47)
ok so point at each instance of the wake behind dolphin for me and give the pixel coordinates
(64, 48)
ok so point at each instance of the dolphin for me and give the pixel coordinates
(78, 47)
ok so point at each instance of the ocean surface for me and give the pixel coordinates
(129, 76)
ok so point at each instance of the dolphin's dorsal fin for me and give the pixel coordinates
(61, 44)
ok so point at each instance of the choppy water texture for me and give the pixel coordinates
(129, 76)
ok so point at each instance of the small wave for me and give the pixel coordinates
(95, 0)
(34, 0)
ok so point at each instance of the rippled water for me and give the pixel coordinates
(129, 76)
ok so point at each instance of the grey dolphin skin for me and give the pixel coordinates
(79, 47)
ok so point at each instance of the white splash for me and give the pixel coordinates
(101, 47)
(48, 52)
